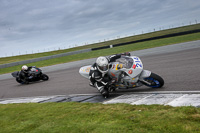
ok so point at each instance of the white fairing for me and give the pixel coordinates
(136, 68)
(84, 71)
(127, 72)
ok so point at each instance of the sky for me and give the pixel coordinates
(32, 26)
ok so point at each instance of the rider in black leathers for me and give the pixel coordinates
(98, 73)
(24, 74)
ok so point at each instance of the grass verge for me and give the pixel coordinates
(99, 118)
(93, 54)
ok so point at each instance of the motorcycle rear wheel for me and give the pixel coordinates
(155, 81)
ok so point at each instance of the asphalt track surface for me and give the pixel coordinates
(179, 65)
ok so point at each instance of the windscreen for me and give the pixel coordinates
(126, 61)
(33, 69)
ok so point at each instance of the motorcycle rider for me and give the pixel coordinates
(24, 74)
(98, 73)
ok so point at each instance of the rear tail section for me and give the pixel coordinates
(84, 71)
(15, 74)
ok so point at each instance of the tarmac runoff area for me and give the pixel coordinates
(172, 98)
(175, 99)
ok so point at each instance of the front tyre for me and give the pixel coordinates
(45, 77)
(20, 81)
(154, 81)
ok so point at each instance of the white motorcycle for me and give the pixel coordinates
(127, 72)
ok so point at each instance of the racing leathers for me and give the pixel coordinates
(25, 76)
(101, 80)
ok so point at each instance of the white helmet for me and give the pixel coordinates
(102, 64)
(24, 68)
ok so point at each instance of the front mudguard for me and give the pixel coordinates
(144, 74)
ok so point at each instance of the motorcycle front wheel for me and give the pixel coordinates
(19, 81)
(45, 77)
(154, 81)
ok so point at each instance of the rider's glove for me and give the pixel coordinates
(91, 84)
(112, 81)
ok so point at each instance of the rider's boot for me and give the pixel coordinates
(104, 92)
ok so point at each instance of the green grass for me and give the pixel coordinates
(105, 52)
(97, 118)
(116, 41)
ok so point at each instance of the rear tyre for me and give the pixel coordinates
(45, 77)
(154, 80)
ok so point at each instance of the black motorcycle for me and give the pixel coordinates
(35, 74)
